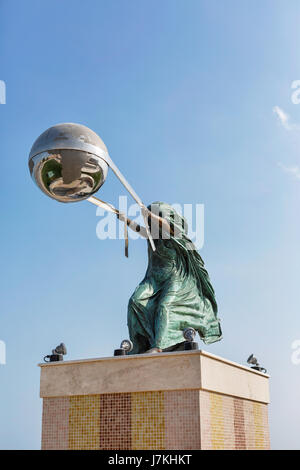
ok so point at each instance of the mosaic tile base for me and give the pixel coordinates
(181, 419)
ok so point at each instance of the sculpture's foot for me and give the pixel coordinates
(154, 350)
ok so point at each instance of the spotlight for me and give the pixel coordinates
(255, 365)
(57, 354)
(125, 347)
(189, 335)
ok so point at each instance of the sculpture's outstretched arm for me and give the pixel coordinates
(142, 230)
(130, 223)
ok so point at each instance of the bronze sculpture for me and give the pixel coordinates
(69, 163)
(176, 292)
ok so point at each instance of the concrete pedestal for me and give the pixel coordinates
(181, 400)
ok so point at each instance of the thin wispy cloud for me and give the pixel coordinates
(285, 119)
(294, 171)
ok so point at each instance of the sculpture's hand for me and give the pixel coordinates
(133, 225)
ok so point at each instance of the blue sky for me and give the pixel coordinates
(183, 94)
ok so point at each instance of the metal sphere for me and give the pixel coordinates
(67, 162)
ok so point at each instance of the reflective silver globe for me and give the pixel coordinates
(68, 162)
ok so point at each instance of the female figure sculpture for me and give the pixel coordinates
(175, 293)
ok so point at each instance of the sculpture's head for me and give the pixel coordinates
(176, 221)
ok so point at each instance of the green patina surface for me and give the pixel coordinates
(175, 293)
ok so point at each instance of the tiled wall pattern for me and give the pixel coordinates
(84, 422)
(115, 424)
(55, 423)
(232, 423)
(181, 419)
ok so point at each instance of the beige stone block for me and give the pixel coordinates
(160, 372)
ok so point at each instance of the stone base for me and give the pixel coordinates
(182, 400)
